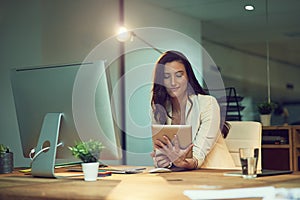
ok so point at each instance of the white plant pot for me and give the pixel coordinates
(265, 120)
(90, 171)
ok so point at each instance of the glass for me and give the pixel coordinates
(249, 158)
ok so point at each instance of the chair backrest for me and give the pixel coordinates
(244, 134)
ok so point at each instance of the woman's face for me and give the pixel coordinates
(175, 79)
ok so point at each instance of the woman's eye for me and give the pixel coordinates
(166, 76)
(179, 74)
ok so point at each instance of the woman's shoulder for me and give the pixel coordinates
(203, 98)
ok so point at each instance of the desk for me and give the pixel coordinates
(142, 186)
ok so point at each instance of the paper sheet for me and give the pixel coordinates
(266, 193)
(255, 192)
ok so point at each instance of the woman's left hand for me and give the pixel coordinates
(174, 152)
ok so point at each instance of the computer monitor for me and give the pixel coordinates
(63, 104)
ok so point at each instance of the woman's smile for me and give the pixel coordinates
(174, 89)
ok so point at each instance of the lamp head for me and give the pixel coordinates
(123, 34)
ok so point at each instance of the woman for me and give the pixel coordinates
(178, 98)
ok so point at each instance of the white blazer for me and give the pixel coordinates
(209, 146)
(210, 149)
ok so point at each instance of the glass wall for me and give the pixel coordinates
(255, 50)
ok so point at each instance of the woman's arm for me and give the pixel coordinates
(208, 123)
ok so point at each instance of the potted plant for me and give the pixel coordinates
(6, 160)
(265, 110)
(89, 153)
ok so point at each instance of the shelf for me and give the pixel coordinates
(296, 149)
(276, 146)
(230, 99)
(233, 117)
(230, 103)
(277, 156)
(274, 128)
(233, 108)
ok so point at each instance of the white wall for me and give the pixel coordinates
(36, 32)
(20, 39)
(71, 29)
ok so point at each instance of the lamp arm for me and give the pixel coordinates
(150, 45)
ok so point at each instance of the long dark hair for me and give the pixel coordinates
(160, 97)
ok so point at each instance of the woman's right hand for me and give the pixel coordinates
(174, 153)
(160, 160)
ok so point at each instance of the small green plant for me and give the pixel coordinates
(87, 151)
(3, 149)
(266, 108)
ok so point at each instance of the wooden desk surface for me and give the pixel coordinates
(142, 186)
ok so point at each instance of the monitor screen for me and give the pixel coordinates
(80, 92)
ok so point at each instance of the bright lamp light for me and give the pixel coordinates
(123, 34)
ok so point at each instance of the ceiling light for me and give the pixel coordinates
(249, 7)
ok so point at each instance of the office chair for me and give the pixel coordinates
(243, 134)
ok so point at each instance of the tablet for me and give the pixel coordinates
(183, 132)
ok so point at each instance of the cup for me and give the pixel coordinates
(249, 158)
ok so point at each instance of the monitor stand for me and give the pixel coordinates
(44, 163)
